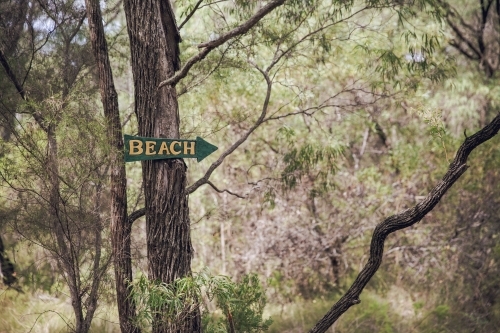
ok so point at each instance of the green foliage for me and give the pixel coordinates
(314, 160)
(281, 286)
(238, 303)
(441, 311)
(245, 305)
(270, 198)
(373, 314)
(433, 118)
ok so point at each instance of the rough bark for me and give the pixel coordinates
(120, 227)
(154, 55)
(7, 268)
(403, 220)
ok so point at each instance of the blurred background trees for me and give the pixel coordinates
(367, 108)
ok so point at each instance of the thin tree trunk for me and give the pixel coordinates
(97, 271)
(60, 229)
(155, 56)
(120, 228)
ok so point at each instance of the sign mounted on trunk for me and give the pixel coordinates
(139, 149)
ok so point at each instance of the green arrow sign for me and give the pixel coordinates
(139, 149)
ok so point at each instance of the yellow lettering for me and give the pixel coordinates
(150, 148)
(135, 147)
(172, 146)
(190, 148)
(163, 149)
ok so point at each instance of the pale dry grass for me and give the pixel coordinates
(43, 313)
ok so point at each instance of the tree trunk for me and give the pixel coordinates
(120, 228)
(60, 228)
(154, 42)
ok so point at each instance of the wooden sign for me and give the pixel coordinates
(139, 149)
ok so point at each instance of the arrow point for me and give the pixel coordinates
(203, 149)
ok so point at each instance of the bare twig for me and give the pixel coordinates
(279, 54)
(222, 191)
(212, 70)
(11, 75)
(278, 57)
(235, 145)
(195, 8)
(66, 321)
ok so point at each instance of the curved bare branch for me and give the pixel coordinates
(222, 191)
(235, 145)
(135, 215)
(403, 220)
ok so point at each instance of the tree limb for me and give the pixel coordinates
(403, 220)
(235, 145)
(222, 191)
(120, 226)
(209, 46)
(463, 39)
(135, 215)
(472, 37)
(11, 75)
(195, 8)
(462, 50)
(5, 64)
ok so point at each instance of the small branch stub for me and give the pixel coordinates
(140, 149)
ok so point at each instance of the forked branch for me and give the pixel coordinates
(235, 145)
(209, 46)
(403, 220)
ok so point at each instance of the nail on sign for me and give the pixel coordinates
(140, 149)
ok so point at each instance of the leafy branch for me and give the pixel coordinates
(209, 46)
